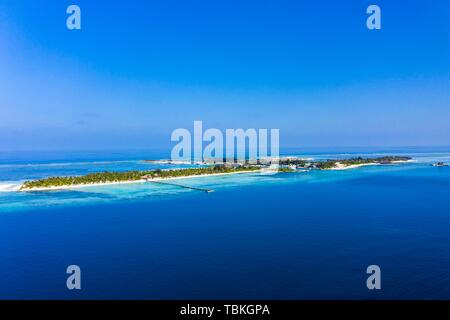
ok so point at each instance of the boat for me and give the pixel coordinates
(439, 164)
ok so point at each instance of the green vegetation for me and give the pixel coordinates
(111, 177)
(108, 177)
(282, 169)
(323, 165)
(330, 164)
(292, 161)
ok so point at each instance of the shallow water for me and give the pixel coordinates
(289, 235)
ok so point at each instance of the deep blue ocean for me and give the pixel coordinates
(305, 235)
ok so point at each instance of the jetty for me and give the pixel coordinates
(177, 185)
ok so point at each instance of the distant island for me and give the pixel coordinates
(284, 164)
(339, 164)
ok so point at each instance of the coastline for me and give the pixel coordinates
(353, 166)
(337, 166)
(76, 186)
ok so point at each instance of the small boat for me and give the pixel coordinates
(439, 164)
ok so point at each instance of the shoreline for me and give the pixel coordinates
(354, 166)
(338, 167)
(76, 186)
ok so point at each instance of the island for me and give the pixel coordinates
(340, 164)
(282, 164)
(116, 177)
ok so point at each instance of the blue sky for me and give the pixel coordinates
(139, 69)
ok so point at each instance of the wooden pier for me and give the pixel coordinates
(179, 185)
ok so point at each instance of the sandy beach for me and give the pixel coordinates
(340, 166)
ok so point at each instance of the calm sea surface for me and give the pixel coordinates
(300, 235)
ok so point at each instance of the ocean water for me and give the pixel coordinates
(305, 235)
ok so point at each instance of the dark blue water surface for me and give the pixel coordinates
(288, 236)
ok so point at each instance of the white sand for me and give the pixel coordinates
(340, 166)
(9, 187)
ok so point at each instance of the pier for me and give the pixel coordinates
(179, 185)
